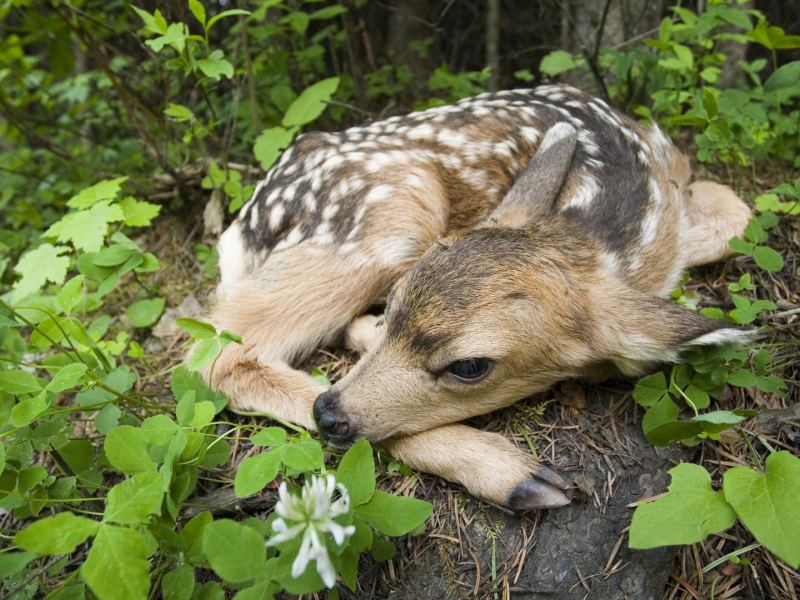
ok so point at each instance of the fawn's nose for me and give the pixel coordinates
(334, 425)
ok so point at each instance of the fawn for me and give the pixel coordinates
(519, 238)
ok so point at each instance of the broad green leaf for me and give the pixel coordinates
(17, 381)
(718, 420)
(132, 501)
(112, 256)
(197, 329)
(184, 380)
(214, 68)
(198, 10)
(218, 453)
(767, 258)
(394, 515)
(205, 353)
(230, 337)
(107, 418)
(67, 377)
(86, 229)
(203, 414)
(269, 436)
(740, 246)
(305, 456)
(105, 190)
(116, 567)
(311, 103)
(697, 397)
(39, 266)
(158, 429)
(56, 535)
(691, 511)
(227, 13)
(71, 294)
(257, 471)
(357, 472)
(14, 562)
(236, 552)
(190, 538)
(328, 12)
(557, 62)
(28, 410)
(179, 112)
(150, 22)
(742, 378)
(271, 143)
(382, 549)
(138, 213)
(710, 103)
(784, 77)
(126, 449)
(184, 412)
(145, 312)
(650, 390)
(767, 504)
(178, 584)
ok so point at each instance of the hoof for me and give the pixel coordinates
(543, 490)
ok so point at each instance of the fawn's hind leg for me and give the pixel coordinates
(714, 214)
(299, 299)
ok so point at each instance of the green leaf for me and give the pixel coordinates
(132, 501)
(710, 103)
(86, 229)
(382, 549)
(158, 429)
(784, 77)
(138, 214)
(740, 246)
(394, 515)
(105, 190)
(17, 381)
(14, 562)
(197, 329)
(557, 62)
(214, 68)
(767, 258)
(270, 436)
(126, 449)
(328, 12)
(257, 471)
(691, 511)
(107, 418)
(231, 337)
(199, 11)
(190, 538)
(145, 312)
(305, 456)
(227, 13)
(311, 103)
(184, 412)
(767, 504)
(67, 377)
(205, 352)
(178, 584)
(742, 378)
(150, 22)
(271, 143)
(28, 410)
(56, 535)
(357, 472)
(203, 414)
(650, 390)
(718, 420)
(179, 112)
(689, 120)
(236, 552)
(38, 266)
(71, 294)
(116, 567)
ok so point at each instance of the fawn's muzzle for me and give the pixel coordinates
(334, 426)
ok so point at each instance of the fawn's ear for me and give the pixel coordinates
(538, 186)
(643, 331)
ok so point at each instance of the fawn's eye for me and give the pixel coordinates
(471, 370)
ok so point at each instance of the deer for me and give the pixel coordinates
(517, 239)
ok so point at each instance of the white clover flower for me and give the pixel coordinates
(312, 513)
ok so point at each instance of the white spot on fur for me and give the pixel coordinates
(276, 217)
(310, 202)
(724, 336)
(422, 132)
(254, 218)
(588, 191)
(378, 193)
(232, 255)
(555, 134)
(530, 133)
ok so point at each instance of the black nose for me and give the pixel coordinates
(333, 424)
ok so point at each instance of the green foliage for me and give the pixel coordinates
(765, 502)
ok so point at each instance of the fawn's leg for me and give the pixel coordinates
(298, 300)
(485, 463)
(715, 214)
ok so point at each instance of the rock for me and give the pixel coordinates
(571, 552)
(166, 328)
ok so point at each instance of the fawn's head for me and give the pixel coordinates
(495, 314)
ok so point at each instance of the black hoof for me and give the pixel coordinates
(543, 490)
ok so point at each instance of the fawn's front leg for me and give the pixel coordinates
(487, 464)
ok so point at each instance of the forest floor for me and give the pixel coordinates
(591, 434)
